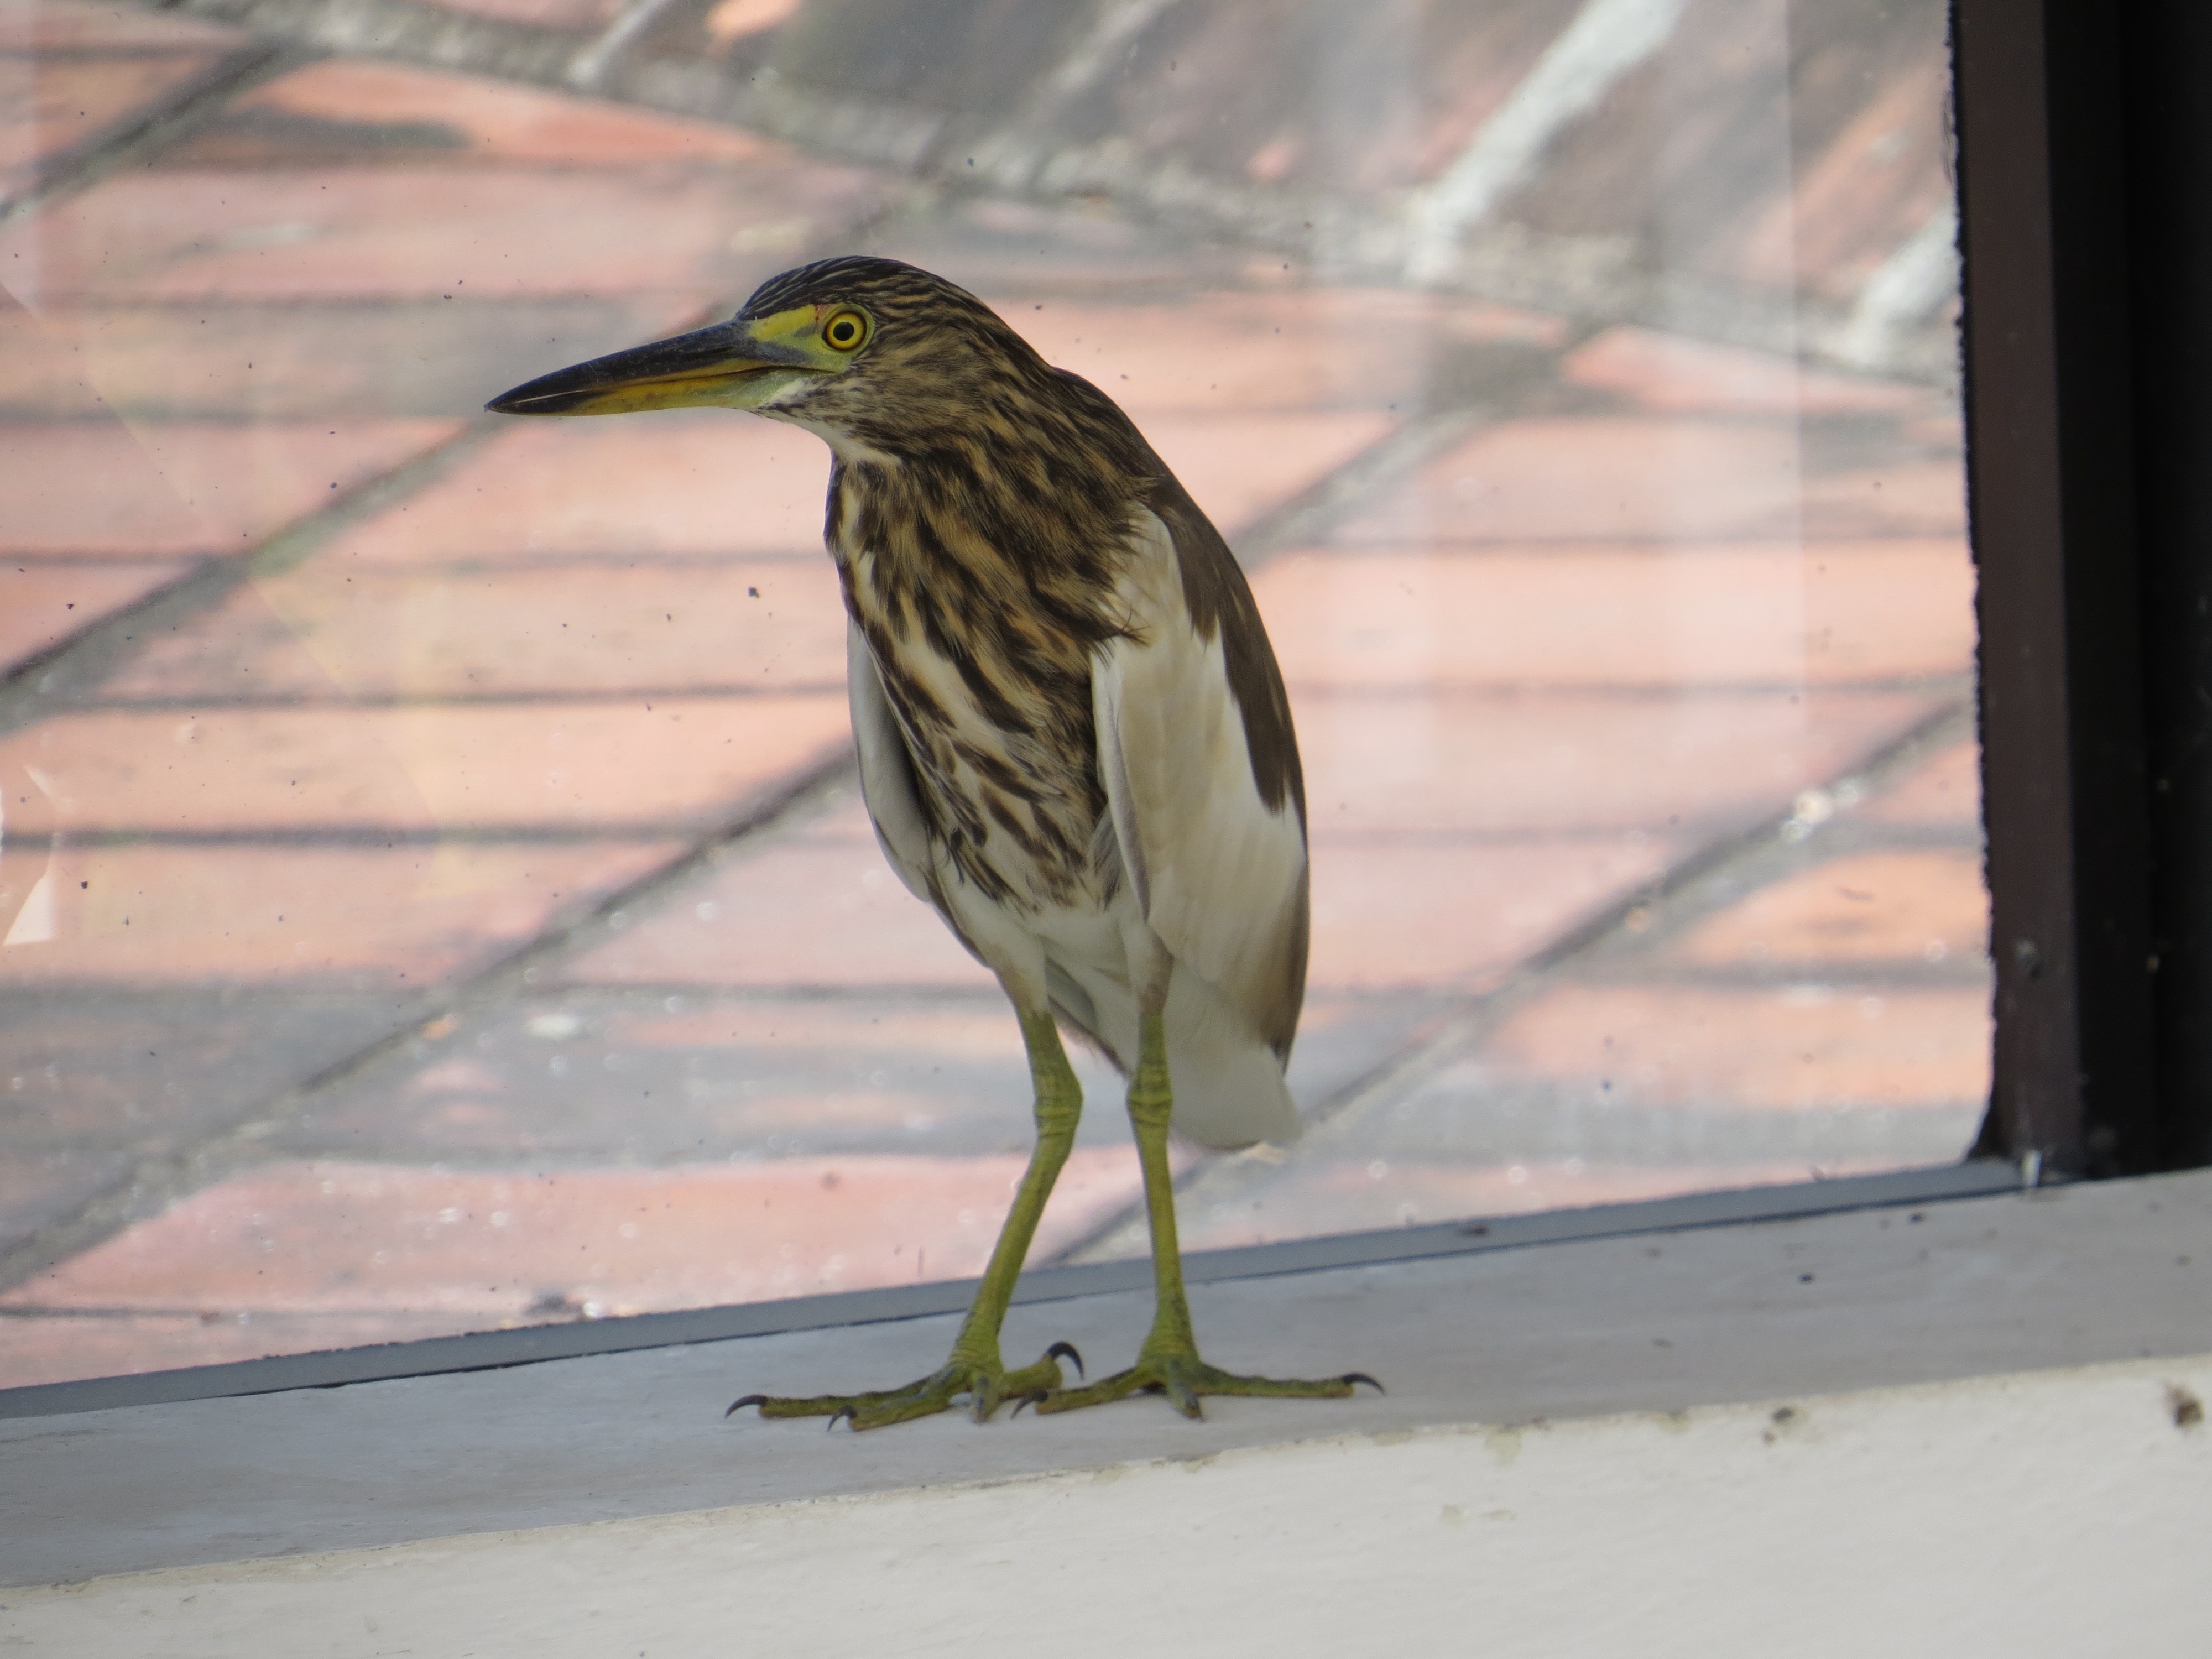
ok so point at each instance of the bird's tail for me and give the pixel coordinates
(1228, 1083)
(1229, 1088)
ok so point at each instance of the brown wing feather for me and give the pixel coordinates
(1221, 601)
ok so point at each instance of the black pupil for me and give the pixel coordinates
(843, 332)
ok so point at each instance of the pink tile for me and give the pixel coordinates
(1794, 1048)
(1320, 1194)
(1221, 352)
(61, 26)
(682, 762)
(959, 1030)
(801, 913)
(1239, 467)
(1598, 478)
(499, 121)
(728, 22)
(1907, 498)
(638, 1080)
(1569, 616)
(824, 909)
(1674, 373)
(28, 817)
(1875, 184)
(357, 917)
(1402, 916)
(186, 487)
(47, 1178)
(1562, 761)
(326, 629)
(243, 647)
(1871, 907)
(842, 821)
(591, 14)
(1941, 428)
(484, 233)
(43, 375)
(330, 1237)
(67, 1346)
(286, 363)
(41, 604)
(693, 481)
(53, 104)
(689, 760)
(1945, 789)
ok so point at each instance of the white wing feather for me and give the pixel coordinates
(1220, 877)
(886, 769)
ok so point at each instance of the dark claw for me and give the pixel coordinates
(1029, 1400)
(1362, 1376)
(838, 1415)
(1066, 1351)
(737, 1406)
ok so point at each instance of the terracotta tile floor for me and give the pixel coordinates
(609, 627)
(456, 911)
(459, 120)
(71, 76)
(1655, 760)
(1653, 477)
(682, 762)
(1622, 616)
(676, 484)
(205, 487)
(245, 915)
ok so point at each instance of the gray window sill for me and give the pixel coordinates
(1645, 1322)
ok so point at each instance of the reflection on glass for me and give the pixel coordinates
(433, 893)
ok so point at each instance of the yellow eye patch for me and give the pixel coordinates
(845, 331)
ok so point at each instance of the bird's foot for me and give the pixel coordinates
(1184, 1377)
(984, 1383)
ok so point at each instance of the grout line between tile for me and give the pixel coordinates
(537, 697)
(1670, 692)
(72, 669)
(377, 837)
(166, 119)
(152, 1183)
(1963, 973)
(1850, 836)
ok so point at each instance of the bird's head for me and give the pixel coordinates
(873, 354)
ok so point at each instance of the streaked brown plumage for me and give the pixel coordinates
(1074, 740)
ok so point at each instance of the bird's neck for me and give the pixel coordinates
(979, 532)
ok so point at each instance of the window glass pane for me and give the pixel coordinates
(435, 892)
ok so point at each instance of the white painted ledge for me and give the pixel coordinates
(1958, 1437)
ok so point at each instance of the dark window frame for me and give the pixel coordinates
(2081, 125)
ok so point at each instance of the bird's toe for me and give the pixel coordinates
(1186, 1380)
(984, 1384)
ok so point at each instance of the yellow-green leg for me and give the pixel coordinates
(1168, 1362)
(973, 1368)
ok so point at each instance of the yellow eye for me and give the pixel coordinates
(846, 331)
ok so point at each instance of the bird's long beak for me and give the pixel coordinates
(736, 365)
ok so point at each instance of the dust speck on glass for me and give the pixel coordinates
(434, 888)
